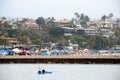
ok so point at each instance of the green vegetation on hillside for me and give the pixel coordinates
(55, 34)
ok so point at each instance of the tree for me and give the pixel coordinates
(6, 24)
(23, 39)
(3, 41)
(76, 14)
(22, 22)
(36, 41)
(103, 18)
(56, 31)
(82, 17)
(4, 18)
(91, 42)
(40, 21)
(83, 20)
(52, 18)
(87, 19)
(117, 35)
(112, 40)
(110, 15)
(77, 18)
(118, 21)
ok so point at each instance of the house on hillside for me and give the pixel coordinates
(100, 23)
(61, 22)
(68, 31)
(31, 24)
(12, 40)
(91, 32)
(10, 43)
(107, 32)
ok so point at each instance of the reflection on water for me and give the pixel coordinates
(60, 72)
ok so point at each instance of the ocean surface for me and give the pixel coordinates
(60, 71)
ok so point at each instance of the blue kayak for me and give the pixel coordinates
(46, 72)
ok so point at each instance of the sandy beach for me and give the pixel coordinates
(62, 56)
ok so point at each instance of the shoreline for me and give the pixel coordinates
(60, 56)
(88, 59)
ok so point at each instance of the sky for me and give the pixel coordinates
(59, 9)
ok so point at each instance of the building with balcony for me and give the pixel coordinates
(91, 32)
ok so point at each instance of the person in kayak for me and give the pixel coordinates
(39, 71)
(43, 71)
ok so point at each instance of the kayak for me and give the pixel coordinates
(46, 72)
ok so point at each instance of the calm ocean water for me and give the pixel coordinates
(60, 72)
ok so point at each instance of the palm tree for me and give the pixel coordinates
(87, 19)
(77, 18)
(103, 18)
(110, 16)
(76, 14)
